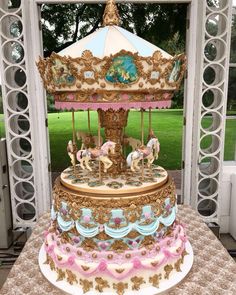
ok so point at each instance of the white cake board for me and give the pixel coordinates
(165, 285)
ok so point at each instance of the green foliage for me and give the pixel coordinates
(64, 24)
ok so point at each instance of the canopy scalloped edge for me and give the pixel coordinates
(124, 71)
(61, 105)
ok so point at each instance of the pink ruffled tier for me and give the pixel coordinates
(166, 251)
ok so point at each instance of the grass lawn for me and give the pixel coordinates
(167, 125)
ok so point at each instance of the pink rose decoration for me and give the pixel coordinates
(86, 219)
(147, 215)
(117, 220)
(103, 245)
(168, 207)
(166, 253)
(102, 266)
(71, 260)
(50, 249)
(70, 97)
(137, 263)
(76, 239)
(134, 244)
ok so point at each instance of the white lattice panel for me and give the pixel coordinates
(211, 109)
(19, 110)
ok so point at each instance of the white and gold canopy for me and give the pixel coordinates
(112, 68)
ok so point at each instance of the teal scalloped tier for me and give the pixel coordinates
(117, 227)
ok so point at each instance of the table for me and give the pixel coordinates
(213, 271)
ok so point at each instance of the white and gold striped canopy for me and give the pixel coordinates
(110, 40)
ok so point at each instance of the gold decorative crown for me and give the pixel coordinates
(111, 15)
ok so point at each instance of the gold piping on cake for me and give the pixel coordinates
(86, 285)
(61, 275)
(177, 265)
(120, 287)
(101, 284)
(155, 280)
(137, 282)
(168, 269)
(71, 278)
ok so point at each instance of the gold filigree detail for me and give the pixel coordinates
(137, 282)
(89, 245)
(88, 77)
(133, 235)
(155, 263)
(61, 275)
(102, 236)
(86, 285)
(184, 253)
(148, 242)
(71, 278)
(51, 262)
(155, 280)
(177, 265)
(168, 269)
(85, 268)
(101, 284)
(65, 238)
(120, 287)
(47, 259)
(119, 245)
(120, 270)
(155, 199)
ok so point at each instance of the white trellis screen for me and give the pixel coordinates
(25, 115)
(25, 110)
(210, 108)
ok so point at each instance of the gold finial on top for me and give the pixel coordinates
(111, 15)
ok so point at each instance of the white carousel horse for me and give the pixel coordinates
(71, 154)
(149, 152)
(133, 142)
(87, 138)
(84, 156)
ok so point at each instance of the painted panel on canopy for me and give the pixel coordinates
(122, 70)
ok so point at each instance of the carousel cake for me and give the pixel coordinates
(113, 218)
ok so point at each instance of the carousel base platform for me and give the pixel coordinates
(126, 183)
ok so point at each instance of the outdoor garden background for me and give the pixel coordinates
(165, 26)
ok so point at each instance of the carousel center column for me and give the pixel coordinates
(113, 122)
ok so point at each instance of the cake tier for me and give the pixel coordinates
(108, 216)
(104, 238)
(114, 270)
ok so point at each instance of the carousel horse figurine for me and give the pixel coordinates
(84, 156)
(71, 150)
(133, 142)
(88, 139)
(149, 152)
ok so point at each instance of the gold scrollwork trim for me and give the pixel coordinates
(50, 71)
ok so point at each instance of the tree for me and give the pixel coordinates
(64, 24)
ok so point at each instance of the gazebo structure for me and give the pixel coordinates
(24, 98)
